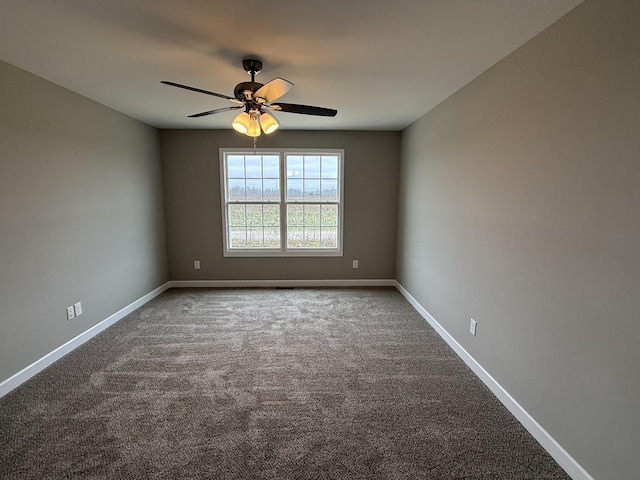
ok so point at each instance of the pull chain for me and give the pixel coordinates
(255, 141)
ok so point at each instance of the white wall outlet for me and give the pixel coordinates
(196, 264)
(70, 313)
(355, 264)
(473, 326)
(78, 308)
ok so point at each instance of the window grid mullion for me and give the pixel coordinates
(284, 228)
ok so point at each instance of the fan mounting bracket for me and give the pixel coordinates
(252, 66)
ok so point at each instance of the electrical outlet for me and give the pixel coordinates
(196, 264)
(355, 264)
(473, 326)
(70, 313)
(78, 308)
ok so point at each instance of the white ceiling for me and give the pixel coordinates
(382, 64)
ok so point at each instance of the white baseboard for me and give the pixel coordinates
(281, 283)
(560, 455)
(26, 373)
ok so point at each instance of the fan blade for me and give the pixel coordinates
(272, 90)
(199, 90)
(304, 109)
(217, 110)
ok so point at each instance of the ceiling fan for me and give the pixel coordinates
(257, 101)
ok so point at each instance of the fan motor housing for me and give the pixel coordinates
(242, 87)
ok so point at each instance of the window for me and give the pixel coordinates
(282, 202)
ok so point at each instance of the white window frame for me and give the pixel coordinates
(283, 251)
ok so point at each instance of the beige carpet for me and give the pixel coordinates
(265, 384)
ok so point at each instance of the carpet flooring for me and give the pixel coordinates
(317, 383)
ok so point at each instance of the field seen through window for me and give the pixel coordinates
(307, 225)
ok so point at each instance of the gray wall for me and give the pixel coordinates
(81, 215)
(520, 207)
(190, 163)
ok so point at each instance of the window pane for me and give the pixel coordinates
(312, 237)
(271, 190)
(329, 215)
(294, 237)
(311, 166)
(254, 237)
(272, 237)
(311, 215)
(294, 190)
(329, 166)
(295, 215)
(238, 237)
(253, 165)
(235, 166)
(329, 191)
(294, 166)
(271, 215)
(236, 190)
(237, 215)
(254, 190)
(254, 215)
(271, 166)
(311, 189)
(329, 237)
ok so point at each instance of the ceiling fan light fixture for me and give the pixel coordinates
(254, 125)
(268, 122)
(247, 123)
(242, 122)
